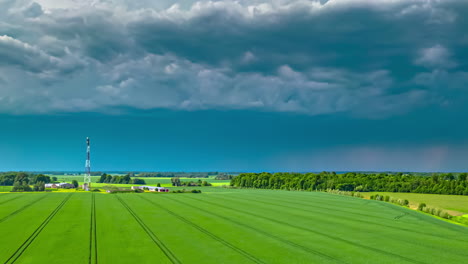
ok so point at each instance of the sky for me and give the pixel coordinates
(258, 85)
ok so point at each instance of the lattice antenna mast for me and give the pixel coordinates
(87, 177)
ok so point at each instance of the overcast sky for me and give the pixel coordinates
(258, 85)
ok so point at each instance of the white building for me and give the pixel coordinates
(59, 185)
(151, 188)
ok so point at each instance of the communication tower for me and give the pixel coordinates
(87, 176)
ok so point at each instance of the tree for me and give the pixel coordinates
(26, 187)
(108, 179)
(159, 185)
(138, 181)
(39, 186)
(205, 183)
(54, 178)
(126, 179)
(75, 183)
(103, 178)
(17, 186)
(176, 181)
(462, 177)
(421, 206)
(40, 178)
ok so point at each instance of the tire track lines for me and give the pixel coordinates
(206, 232)
(150, 233)
(14, 257)
(451, 238)
(6, 201)
(21, 209)
(332, 207)
(93, 257)
(280, 239)
(433, 220)
(318, 233)
(391, 206)
(396, 208)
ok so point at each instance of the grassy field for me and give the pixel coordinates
(454, 204)
(220, 226)
(5, 188)
(165, 182)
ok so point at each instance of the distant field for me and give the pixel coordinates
(220, 226)
(455, 204)
(5, 188)
(165, 182)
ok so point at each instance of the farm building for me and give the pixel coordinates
(59, 185)
(151, 188)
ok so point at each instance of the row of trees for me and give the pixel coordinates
(177, 182)
(224, 176)
(22, 178)
(22, 181)
(438, 183)
(177, 174)
(107, 178)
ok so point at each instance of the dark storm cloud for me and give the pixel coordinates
(366, 58)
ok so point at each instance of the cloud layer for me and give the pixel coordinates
(356, 57)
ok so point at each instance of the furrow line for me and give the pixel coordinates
(413, 213)
(318, 233)
(206, 232)
(150, 233)
(92, 233)
(357, 220)
(14, 257)
(14, 198)
(280, 239)
(334, 208)
(21, 209)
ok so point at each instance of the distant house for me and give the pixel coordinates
(59, 185)
(151, 188)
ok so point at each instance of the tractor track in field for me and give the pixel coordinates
(412, 213)
(280, 239)
(150, 233)
(335, 208)
(206, 232)
(14, 257)
(93, 257)
(6, 201)
(318, 233)
(421, 216)
(451, 238)
(21, 209)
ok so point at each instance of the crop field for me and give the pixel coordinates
(5, 188)
(455, 204)
(220, 226)
(165, 182)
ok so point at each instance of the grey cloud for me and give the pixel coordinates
(315, 57)
(33, 10)
(18, 53)
(34, 60)
(435, 57)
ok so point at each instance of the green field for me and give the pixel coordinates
(5, 188)
(165, 182)
(454, 204)
(220, 226)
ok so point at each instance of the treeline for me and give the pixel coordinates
(223, 176)
(107, 178)
(22, 181)
(22, 178)
(177, 174)
(437, 183)
(177, 182)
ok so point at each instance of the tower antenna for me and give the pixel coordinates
(87, 176)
